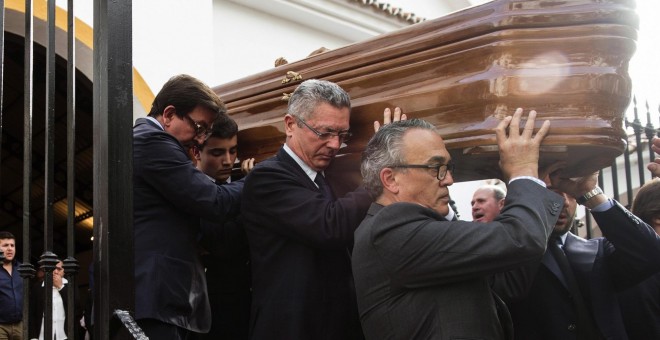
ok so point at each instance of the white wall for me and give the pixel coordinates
(172, 37)
(247, 41)
(169, 37)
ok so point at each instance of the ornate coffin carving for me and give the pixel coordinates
(463, 73)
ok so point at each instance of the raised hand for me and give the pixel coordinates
(247, 165)
(387, 117)
(654, 166)
(519, 152)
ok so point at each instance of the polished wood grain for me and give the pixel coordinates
(463, 73)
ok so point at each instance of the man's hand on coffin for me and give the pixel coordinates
(575, 187)
(247, 165)
(654, 166)
(519, 150)
(387, 117)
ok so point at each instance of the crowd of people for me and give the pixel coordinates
(278, 254)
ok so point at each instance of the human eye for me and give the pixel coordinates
(217, 152)
(435, 168)
(327, 134)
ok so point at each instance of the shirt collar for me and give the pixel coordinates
(155, 121)
(308, 171)
(563, 238)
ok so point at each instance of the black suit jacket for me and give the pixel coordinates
(37, 310)
(419, 276)
(301, 269)
(629, 253)
(640, 308)
(169, 197)
(228, 277)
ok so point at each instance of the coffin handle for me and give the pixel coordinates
(291, 75)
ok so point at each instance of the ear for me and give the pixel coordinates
(655, 223)
(388, 179)
(289, 122)
(168, 114)
(196, 153)
(501, 203)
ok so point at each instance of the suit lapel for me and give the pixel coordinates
(550, 263)
(283, 156)
(581, 254)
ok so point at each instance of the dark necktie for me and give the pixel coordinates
(323, 186)
(586, 328)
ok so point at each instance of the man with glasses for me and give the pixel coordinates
(169, 197)
(300, 234)
(420, 276)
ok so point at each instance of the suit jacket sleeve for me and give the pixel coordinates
(632, 248)
(36, 310)
(161, 163)
(430, 250)
(279, 196)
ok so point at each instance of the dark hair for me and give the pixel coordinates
(223, 127)
(646, 206)
(4, 235)
(386, 149)
(185, 93)
(310, 93)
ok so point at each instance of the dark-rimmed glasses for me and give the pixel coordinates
(343, 135)
(441, 169)
(200, 129)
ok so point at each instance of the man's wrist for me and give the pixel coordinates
(582, 200)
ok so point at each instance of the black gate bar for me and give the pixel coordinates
(113, 167)
(2, 73)
(48, 258)
(26, 268)
(70, 264)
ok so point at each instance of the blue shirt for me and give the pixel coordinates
(11, 295)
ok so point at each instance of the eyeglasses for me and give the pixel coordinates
(440, 169)
(200, 129)
(344, 136)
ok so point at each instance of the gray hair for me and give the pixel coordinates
(310, 93)
(498, 192)
(386, 149)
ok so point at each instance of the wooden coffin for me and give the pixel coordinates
(464, 72)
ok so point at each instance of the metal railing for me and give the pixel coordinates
(112, 197)
(633, 163)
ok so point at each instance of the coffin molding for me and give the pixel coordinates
(466, 71)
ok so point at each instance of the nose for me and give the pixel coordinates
(448, 180)
(199, 139)
(334, 142)
(226, 158)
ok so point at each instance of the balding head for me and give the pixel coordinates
(487, 202)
